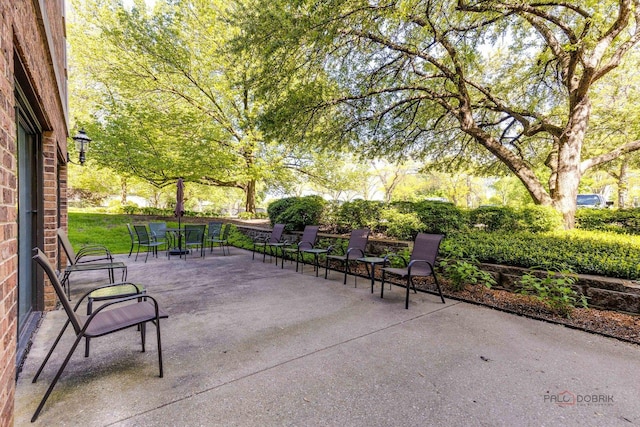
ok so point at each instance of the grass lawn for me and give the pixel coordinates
(105, 229)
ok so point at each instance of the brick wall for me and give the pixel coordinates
(33, 32)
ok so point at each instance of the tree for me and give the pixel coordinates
(453, 80)
(169, 99)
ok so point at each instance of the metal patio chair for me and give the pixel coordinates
(222, 240)
(273, 242)
(194, 237)
(133, 237)
(307, 241)
(137, 310)
(214, 232)
(421, 264)
(158, 231)
(146, 240)
(355, 249)
(88, 258)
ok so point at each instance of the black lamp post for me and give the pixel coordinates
(82, 145)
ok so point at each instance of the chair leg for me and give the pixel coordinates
(46, 359)
(382, 284)
(55, 379)
(409, 283)
(346, 270)
(435, 279)
(157, 323)
(130, 250)
(326, 267)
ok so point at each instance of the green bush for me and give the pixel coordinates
(359, 214)
(580, 251)
(436, 217)
(277, 207)
(494, 218)
(303, 211)
(539, 219)
(401, 226)
(624, 221)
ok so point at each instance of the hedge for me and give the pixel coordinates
(585, 252)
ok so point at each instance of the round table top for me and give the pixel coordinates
(371, 259)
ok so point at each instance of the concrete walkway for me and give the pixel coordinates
(250, 344)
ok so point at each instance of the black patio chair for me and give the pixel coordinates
(355, 249)
(118, 314)
(133, 237)
(147, 241)
(214, 232)
(272, 242)
(158, 231)
(421, 264)
(222, 240)
(88, 258)
(194, 237)
(307, 241)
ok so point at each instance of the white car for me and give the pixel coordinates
(594, 201)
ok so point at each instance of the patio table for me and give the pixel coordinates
(315, 253)
(372, 261)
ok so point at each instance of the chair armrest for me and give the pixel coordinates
(108, 285)
(119, 301)
(354, 253)
(419, 261)
(93, 251)
(260, 238)
(334, 248)
(388, 259)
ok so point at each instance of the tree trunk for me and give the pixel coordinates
(623, 184)
(250, 196)
(568, 172)
(123, 191)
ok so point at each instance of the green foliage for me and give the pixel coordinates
(493, 218)
(580, 251)
(462, 272)
(359, 214)
(555, 290)
(303, 211)
(539, 218)
(437, 217)
(249, 215)
(277, 207)
(401, 226)
(624, 221)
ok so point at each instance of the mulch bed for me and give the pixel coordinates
(612, 324)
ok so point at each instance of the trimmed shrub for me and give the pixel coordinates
(303, 211)
(539, 219)
(494, 218)
(580, 251)
(359, 214)
(625, 221)
(437, 217)
(277, 207)
(401, 226)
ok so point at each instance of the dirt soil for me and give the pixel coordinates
(612, 324)
(604, 322)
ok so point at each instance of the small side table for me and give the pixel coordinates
(315, 253)
(372, 261)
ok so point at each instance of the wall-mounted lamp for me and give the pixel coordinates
(82, 145)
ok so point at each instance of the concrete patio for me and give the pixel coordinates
(250, 344)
